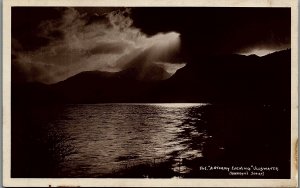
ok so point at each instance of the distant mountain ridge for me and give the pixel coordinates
(224, 78)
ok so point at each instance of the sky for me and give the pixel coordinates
(50, 44)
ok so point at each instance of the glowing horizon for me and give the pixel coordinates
(178, 105)
(259, 52)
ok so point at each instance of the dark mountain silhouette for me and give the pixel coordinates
(223, 78)
(232, 78)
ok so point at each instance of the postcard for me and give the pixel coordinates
(150, 93)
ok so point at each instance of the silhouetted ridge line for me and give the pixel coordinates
(222, 79)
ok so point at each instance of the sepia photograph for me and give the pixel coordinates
(151, 92)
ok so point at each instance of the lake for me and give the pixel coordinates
(144, 140)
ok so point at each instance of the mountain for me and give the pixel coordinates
(233, 78)
(223, 78)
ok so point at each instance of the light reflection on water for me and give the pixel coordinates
(102, 138)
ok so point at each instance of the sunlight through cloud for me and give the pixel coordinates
(109, 44)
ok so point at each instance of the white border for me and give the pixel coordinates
(158, 3)
(92, 182)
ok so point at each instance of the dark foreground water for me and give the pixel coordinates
(148, 140)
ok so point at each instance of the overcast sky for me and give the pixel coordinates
(52, 44)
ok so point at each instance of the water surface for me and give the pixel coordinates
(98, 139)
(148, 140)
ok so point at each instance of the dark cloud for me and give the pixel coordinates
(97, 10)
(50, 44)
(71, 43)
(207, 30)
(25, 25)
